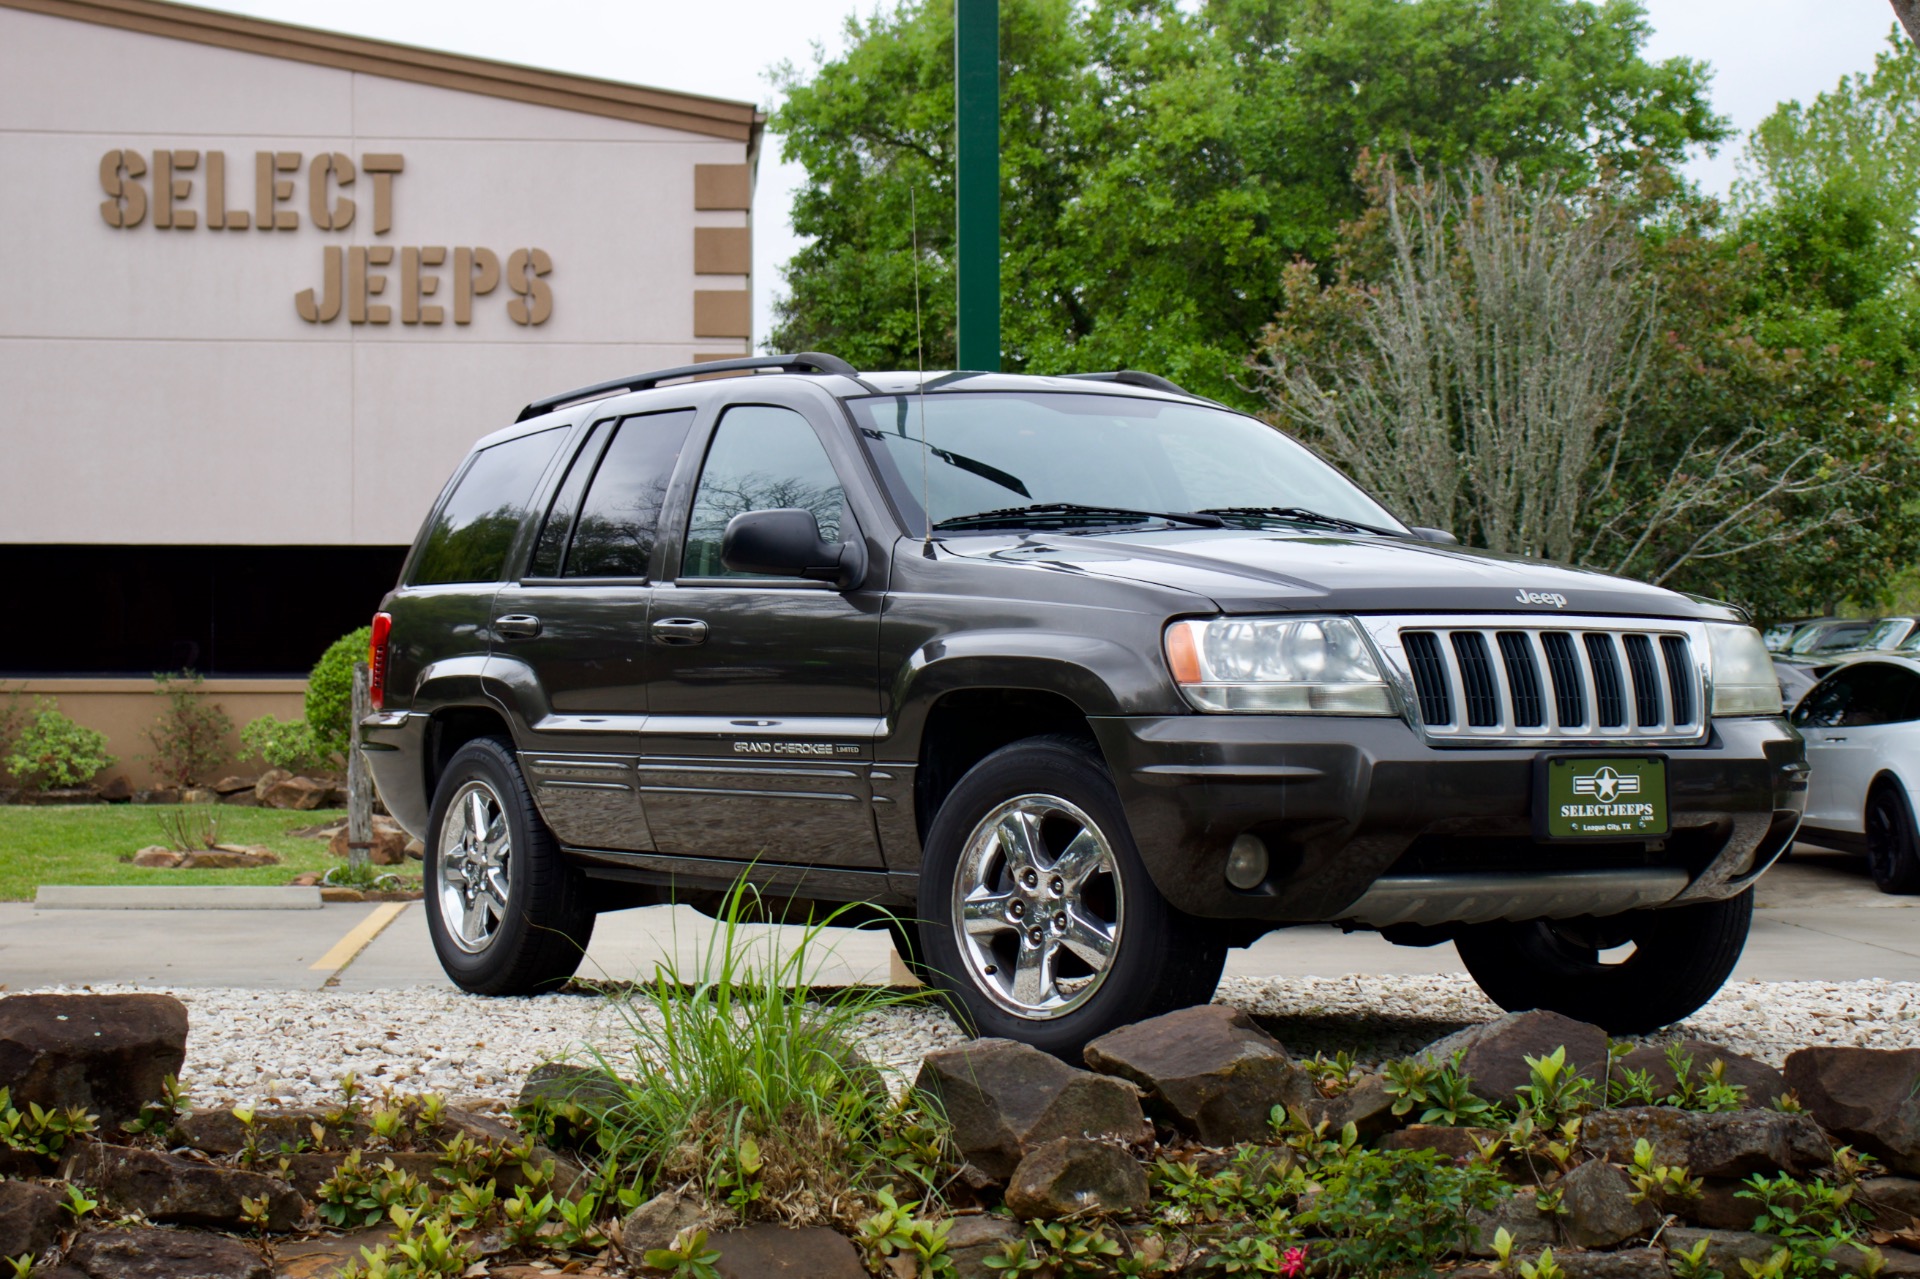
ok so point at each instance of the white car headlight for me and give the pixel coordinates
(1744, 682)
(1303, 665)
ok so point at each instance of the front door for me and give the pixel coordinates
(763, 699)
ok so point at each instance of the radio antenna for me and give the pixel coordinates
(920, 361)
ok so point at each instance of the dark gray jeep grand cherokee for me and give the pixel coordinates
(1085, 678)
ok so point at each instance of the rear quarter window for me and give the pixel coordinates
(472, 532)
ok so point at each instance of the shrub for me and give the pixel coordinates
(330, 691)
(53, 751)
(189, 738)
(13, 721)
(284, 743)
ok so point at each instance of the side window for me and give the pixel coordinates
(1826, 704)
(474, 529)
(550, 548)
(761, 459)
(1882, 694)
(620, 517)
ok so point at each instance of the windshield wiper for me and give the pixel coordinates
(1046, 512)
(1296, 515)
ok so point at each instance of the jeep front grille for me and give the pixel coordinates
(1535, 680)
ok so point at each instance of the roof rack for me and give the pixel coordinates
(799, 362)
(1133, 377)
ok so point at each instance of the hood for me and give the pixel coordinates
(1268, 570)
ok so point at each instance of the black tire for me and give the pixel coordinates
(1893, 850)
(1159, 959)
(534, 943)
(1681, 957)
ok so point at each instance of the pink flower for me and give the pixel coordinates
(1294, 1262)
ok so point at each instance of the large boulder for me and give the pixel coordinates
(1733, 1143)
(1895, 1201)
(1494, 1054)
(1600, 1211)
(30, 1218)
(389, 843)
(767, 1252)
(168, 1188)
(1520, 1216)
(1071, 1176)
(1866, 1097)
(1452, 1144)
(220, 1132)
(296, 794)
(146, 1253)
(1365, 1104)
(1208, 1071)
(1004, 1098)
(106, 1054)
(1762, 1082)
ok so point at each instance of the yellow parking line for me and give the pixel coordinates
(358, 936)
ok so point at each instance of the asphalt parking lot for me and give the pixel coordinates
(1819, 919)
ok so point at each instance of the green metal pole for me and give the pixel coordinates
(976, 68)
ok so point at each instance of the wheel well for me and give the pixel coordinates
(965, 727)
(1882, 778)
(454, 727)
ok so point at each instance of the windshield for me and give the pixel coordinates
(1887, 633)
(994, 451)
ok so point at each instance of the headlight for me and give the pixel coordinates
(1744, 682)
(1306, 665)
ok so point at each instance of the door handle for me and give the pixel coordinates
(1831, 740)
(680, 630)
(517, 625)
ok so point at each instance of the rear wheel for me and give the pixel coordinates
(506, 913)
(1628, 973)
(1037, 915)
(1893, 850)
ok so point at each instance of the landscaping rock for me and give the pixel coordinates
(30, 1218)
(1004, 1099)
(1450, 1143)
(1718, 1206)
(1208, 1071)
(1520, 1216)
(241, 799)
(1866, 1097)
(154, 857)
(1365, 1105)
(1495, 1052)
(219, 1133)
(1071, 1176)
(145, 1253)
(415, 850)
(1600, 1211)
(1629, 1263)
(268, 780)
(1895, 1201)
(169, 1188)
(654, 1224)
(556, 1082)
(1762, 1082)
(1727, 1144)
(765, 1252)
(389, 843)
(228, 857)
(23, 1163)
(297, 794)
(108, 1054)
(1726, 1249)
(199, 795)
(117, 791)
(157, 795)
(971, 1240)
(233, 785)
(309, 1171)
(61, 795)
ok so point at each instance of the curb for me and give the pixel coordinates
(176, 897)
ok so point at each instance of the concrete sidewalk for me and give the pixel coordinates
(1818, 919)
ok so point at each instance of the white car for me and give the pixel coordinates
(1862, 726)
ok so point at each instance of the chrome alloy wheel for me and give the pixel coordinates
(475, 851)
(1037, 906)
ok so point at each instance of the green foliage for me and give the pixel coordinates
(1162, 164)
(1659, 1183)
(49, 750)
(189, 738)
(156, 1117)
(284, 743)
(13, 720)
(687, 1257)
(356, 1196)
(21, 1267)
(1811, 1218)
(1691, 1263)
(1064, 1248)
(40, 1131)
(1394, 1212)
(78, 1206)
(330, 692)
(1444, 1091)
(1555, 1091)
(894, 1231)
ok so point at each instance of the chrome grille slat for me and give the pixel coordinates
(1547, 680)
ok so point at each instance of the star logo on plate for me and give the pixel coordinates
(1606, 785)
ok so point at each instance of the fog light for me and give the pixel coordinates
(1247, 862)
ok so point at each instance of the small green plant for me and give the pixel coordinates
(1710, 1092)
(1394, 1211)
(189, 738)
(21, 1267)
(78, 1205)
(283, 743)
(1659, 1183)
(330, 691)
(1444, 1092)
(1810, 1218)
(358, 1196)
(189, 828)
(580, 1222)
(156, 1117)
(1691, 1263)
(687, 1257)
(893, 1231)
(364, 876)
(255, 1212)
(1331, 1075)
(40, 1131)
(1556, 1091)
(51, 750)
(522, 1216)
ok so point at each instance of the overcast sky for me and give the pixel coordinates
(1761, 51)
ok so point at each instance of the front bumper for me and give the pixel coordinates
(1365, 823)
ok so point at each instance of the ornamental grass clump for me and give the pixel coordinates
(743, 1088)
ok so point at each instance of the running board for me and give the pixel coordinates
(1481, 899)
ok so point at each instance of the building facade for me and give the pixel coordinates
(274, 282)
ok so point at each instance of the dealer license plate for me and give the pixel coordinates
(1618, 797)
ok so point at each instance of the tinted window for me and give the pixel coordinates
(551, 546)
(473, 532)
(1861, 696)
(621, 514)
(761, 459)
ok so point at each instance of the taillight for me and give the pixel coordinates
(377, 659)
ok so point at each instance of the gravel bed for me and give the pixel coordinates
(291, 1047)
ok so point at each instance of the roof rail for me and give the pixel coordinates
(800, 362)
(1133, 377)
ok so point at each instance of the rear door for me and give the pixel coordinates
(764, 696)
(1882, 703)
(571, 633)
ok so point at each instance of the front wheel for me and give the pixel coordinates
(1037, 915)
(1893, 851)
(507, 915)
(1627, 974)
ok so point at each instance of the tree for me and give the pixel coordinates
(1908, 11)
(1161, 167)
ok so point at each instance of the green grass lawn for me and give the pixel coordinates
(83, 844)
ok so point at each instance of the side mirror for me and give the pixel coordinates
(1438, 535)
(787, 543)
